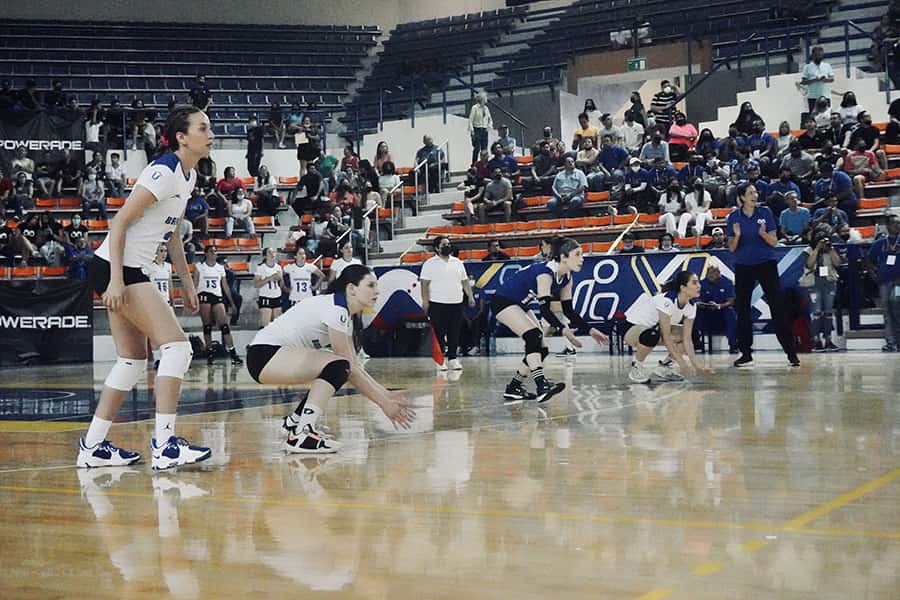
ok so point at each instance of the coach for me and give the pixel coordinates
(444, 280)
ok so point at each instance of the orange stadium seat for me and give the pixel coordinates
(892, 173)
(248, 243)
(442, 230)
(482, 228)
(4, 272)
(52, 271)
(96, 244)
(549, 224)
(574, 223)
(524, 160)
(264, 221)
(526, 225)
(527, 251)
(216, 221)
(598, 221)
(409, 190)
(642, 218)
(46, 203)
(70, 202)
(24, 272)
(504, 227)
(721, 213)
(223, 243)
(459, 230)
(478, 254)
(244, 267)
(115, 202)
(873, 203)
(601, 247)
(623, 219)
(586, 248)
(867, 232)
(403, 170)
(458, 207)
(465, 255)
(306, 219)
(892, 149)
(596, 196)
(248, 180)
(412, 258)
(97, 224)
(288, 180)
(649, 244)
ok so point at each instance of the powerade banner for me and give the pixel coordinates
(605, 287)
(44, 134)
(47, 323)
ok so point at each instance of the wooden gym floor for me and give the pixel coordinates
(763, 484)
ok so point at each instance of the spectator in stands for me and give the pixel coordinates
(326, 164)
(816, 76)
(96, 163)
(255, 134)
(350, 160)
(611, 160)
(632, 134)
(502, 161)
(651, 127)
(830, 155)
(784, 140)
(50, 240)
(206, 174)
(869, 134)
(568, 190)
(22, 162)
(77, 256)
(308, 195)
(746, 119)
(672, 209)
(557, 148)
(793, 221)
(21, 198)
(730, 146)
(586, 160)
(607, 128)
(663, 106)
(777, 191)
(497, 194)
(884, 260)
(93, 196)
(240, 211)
(706, 143)
(716, 177)
(197, 212)
(480, 122)
(718, 240)
(667, 243)
(494, 252)
(200, 96)
(67, 173)
(590, 109)
(811, 138)
(682, 136)
(472, 188)
(382, 156)
(692, 171)
(849, 109)
(634, 190)
(802, 167)
(830, 214)
(8, 96)
(585, 131)
(10, 243)
(74, 230)
(715, 308)
(661, 176)
(637, 110)
(388, 181)
(654, 150)
(267, 199)
(55, 97)
(697, 206)
(308, 137)
(762, 146)
(30, 232)
(834, 132)
(276, 124)
(862, 165)
(507, 141)
(226, 186)
(435, 162)
(892, 133)
(28, 96)
(628, 245)
(543, 171)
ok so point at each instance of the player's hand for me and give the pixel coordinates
(191, 302)
(471, 302)
(114, 296)
(397, 409)
(598, 336)
(570, 335)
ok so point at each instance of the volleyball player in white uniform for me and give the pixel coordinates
(209, 277)
(667, 316)
(269, 280)
(300, 274)
(150, 215)
(160, 273)
(311, 343)
(343, 261)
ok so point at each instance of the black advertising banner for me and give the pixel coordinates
(46, 323)
(46, 135)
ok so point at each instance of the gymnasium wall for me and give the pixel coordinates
(384, 13)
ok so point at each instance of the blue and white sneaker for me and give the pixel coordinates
(104, 454)
(176, 451)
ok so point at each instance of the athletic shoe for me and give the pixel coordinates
(889, 348)
(793, 360)
(567, 353)
(548, 390)
(104, 454)
(819, 347)
(667, 362)
(235, 359)
(637, 374)
(516, 392)
(177, 451)
(830, 347)
(309, 443)
(443, 366)
(744, 360)
(454, 365)
(668, 374)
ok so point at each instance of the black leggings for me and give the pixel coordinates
(447, 321)
(745, 279)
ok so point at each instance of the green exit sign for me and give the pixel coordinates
(638, 63)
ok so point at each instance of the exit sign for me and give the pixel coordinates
(638, 63)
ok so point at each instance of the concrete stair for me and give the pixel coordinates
(430, 215)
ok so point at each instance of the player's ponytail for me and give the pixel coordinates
(674, 284)
(562, 246)
(352, 274)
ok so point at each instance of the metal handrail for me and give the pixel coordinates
(338, 239)
(847, 25)
(735, 52)
(425, 162)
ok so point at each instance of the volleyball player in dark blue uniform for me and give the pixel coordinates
(545, 281)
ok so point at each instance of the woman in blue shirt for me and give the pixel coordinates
(545, 281)
(751, 232)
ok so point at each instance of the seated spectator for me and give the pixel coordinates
(892, 133)
(692, 171)
(632, 134)
(862, 165)
(28, 96)
(628, 245)
(10, 243)
(671, 207)
(884, 261)
(497, 194)
(506, 163)
(78, 256)
(473, 190)
(266, 190)
(543, 171)
(276, 124)
(869, 135)
(716, 177)
(349, 160)
(568, 190)
(240, 211)
(325, 164)
(50, 240)
(834, 131)
(506, 141)
(706, 143)
(309, 194)
(730, 145)
(484, 157)
(74, 230)
(835, 183)
(697, 205)
(585, 131)
(200, 95)
(607, 128)
(22, 163)
(21, 197)
(388, 180)
(435, 163)
(830, 214)
(98, 166)
(494, 252)
(226, 186)
(667, 243)
(820, 277)
(715, 307)
(784, 140)
(746, 119)
(794, 220)
(654, 150)
(587, 156)
(206, 174)
(92, 196)
(661, 176)
(6, 187)
(829, 154)
(382, 155)
(634, 189)
(718, 240)
(197, 212)
(849, 109)
(612, 159)
(318, 231)
(811, 138)
(776, 193)
(682, 136)
(557, 148)
(68, 173)
(30, 234)
(762, 146)
(802, 167)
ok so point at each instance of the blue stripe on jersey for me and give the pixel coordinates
(170, 159)
(340, 300)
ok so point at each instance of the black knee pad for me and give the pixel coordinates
(336, 373)
(650, 337)
(207, 330)
(225, 329)
(545, 351)
(534, 341)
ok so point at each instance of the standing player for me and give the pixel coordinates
(300, 274)
(160, 274)
(209, 277)
(312, 343)
(269, 280)
(151, 214)
(545, 281)
(343, 261)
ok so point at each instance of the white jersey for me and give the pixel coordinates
(340, 264)
(160, 276)
(301, 281)
(646, 310)
(210, 278)
(307, 324)
(166, 180)
(272, 289)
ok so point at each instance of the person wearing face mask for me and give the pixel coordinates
(682, 136)
(746, 117)
(654, 150)
(697, 204)
(776, 194)
(92, 196)
(811, 138)
(869, 134)
(473, 191)
(633, 192)
(637, 110)
(568, 190)
(239, 211)
(255, 134)
(557, 148)
(497, 194)
(862, 165)
(729, 145)
(628, 245)
(715, 179)
(663, 105)
(661, 177)
(762, 145)
(632, 134)
(832, 182)
(671, 208)
(803, 169)
(828, 154)
(443, 282)
(74, 230)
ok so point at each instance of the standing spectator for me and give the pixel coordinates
(55, 97)
(637, 110)
(444, 280)
(115, 177)
(434, 160)
(255, 134)
(74, 230)
(92, 196)
(382, 156)
(816, 75)
(794, 220)
(892, 133)
(240, 210)
(196, 211)
(590, 109)
(715, 310)
(632, 134)
(682, 136)
(309, 139)
(267, 199)
(504, 162)
(495, 252)
(28, 96)
(884, 257)
(480, 122)
(746, 118)
(506, 141)
(276, 124)
(568, 190)
(585, 131)
(200, 95)
(663, 105)
(751, 237)
(497, 194)
(93, 127)
(78, 256)
(820, 278)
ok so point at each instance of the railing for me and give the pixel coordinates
(439, 166)
(349, 231)
(886, 45)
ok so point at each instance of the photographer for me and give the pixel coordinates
(884, 258)
(820, 278)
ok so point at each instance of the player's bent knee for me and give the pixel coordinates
(545, 352)
(534, 341)
(649, 338)
(125, 373)
(336, 373)
(174, 359)
(207, 330)
(225, 329)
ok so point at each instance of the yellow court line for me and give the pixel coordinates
(843, 499)
(707, 568)
(656, 595)
(754, 546)
(39, 426)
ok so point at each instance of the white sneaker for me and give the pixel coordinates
(443, 366)
(310, 443)
(637, 374)
(104, 454)
(668, 374)
(455, 365)
(176, 451)
(311, 414)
